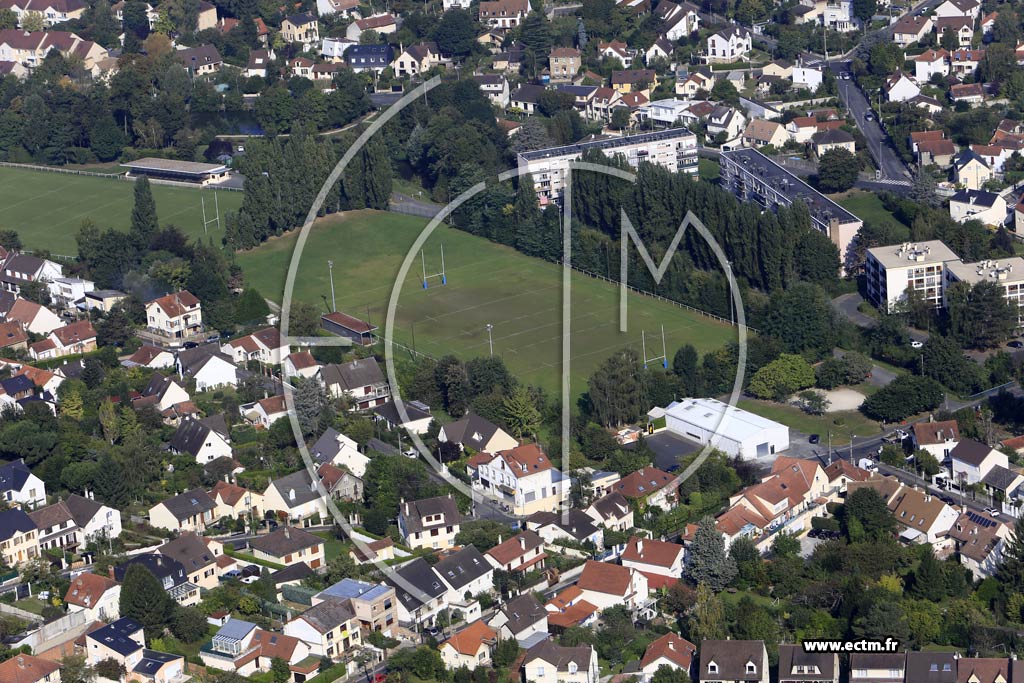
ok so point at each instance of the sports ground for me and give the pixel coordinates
(46, 209)
(486, 284)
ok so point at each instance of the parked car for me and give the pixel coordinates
(869, 117)
(916, 344)
(1016, 344)
(251, 570)
(992, 512)
(231, 574)
(845, 75)
(815, 438)
(190, 345)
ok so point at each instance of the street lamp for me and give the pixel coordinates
(490, 340)
(330, 268)
(852, 437)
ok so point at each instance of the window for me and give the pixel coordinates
(751, 668)
(712, 668)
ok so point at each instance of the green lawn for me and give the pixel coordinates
(33, 605)
(708, 169)
(47, 209)
(868, 207)
(840, 424)
(332, 546)
(487, 284)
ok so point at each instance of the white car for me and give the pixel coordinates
(992, 512)
(916, 344)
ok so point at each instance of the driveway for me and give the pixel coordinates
(848, 305)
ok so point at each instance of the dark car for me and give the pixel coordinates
(815, 438)
(1016, 344)
(250, 570)
(190, 345)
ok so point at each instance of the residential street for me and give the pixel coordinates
(881, 150)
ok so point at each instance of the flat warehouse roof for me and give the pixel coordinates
(173, 166)
(710, 414)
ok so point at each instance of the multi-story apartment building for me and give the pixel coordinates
(674, 149)
(1007, 273)
(751, 175)
(430, 523)
(919, 267)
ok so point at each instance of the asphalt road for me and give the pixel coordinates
(879, 146)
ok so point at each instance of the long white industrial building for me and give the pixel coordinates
(741, 433)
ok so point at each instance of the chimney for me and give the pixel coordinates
(110, 572)
(522, 542)
(639, 546)
(499, 539)
(287, 532)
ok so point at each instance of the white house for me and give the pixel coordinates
(729, 45)
(958, 8)
(651, 556)
(296, 497)
(466, 573)
(612, 511)
(19, 487)
(265, 411)
(734, 431)
(899, 87)
(973, 460)
(670, 650)
(149, 356)
(429, 523)
(208, 367)
(205, 440)
(929, 63)
(938, 438)
(97, 596)
(987, 207)
(65, 291)
(338, 449)
(471, 647)
(33, 317)
(330, 629)
(75, 522)
(807, 77)
(979, 543)
(522, 618)
(606, 585)
(548, 662)
(477, 434)
(175, 315)
(264, 346)
(523, 478)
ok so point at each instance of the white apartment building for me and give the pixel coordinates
(1008, 273)
(919, 266)
(674, 149)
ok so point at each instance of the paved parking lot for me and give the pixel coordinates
(668, 448)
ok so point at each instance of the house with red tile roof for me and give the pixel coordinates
(22, 668)
(649, 486)
(175, 315)
(524, 479)
(97, 596)
(76, 338)
(264, 346)
(670, 650)
(605, 585)
(471, 647)
(654, 557)
(568, 609)
(522, 553)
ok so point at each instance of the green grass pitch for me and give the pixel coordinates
(487, 284)
(46, 209)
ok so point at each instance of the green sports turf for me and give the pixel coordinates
(47, 208)
(487, 283)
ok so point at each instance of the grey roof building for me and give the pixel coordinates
(797, 666)
(422, 577)
(191, 435)
(471, 431)
(284, 541)
(421, 515)
(523, 612)
(931, 667)
(459, 570)
(328, 615)
(296, 489)
(190, 503)
(190, 550)
(733, 660)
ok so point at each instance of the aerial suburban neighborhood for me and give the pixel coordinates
(548, 341)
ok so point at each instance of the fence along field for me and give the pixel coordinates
(486, 284)
(47, 208)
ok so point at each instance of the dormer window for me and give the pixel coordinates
(712, 668)
(751, 668)
(573, 668)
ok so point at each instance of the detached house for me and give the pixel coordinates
(522, 618)
(429, 523)
(19, 538)
(672, 651)
(521, 553)
(417, 59)
(798, 666)
(466, 573)
(973, 460)
(383, 24)
(18, 269)
(523, 478)
(76, 338)
(189, 511)
(577, 527)
(910, 29)
(970, 170)
(359, 380)
(264, 346)
(32, 317)
(175, 315)
(301, 29)
(762, 133)
(979, 543)
(649, 486)
(728, 661)
(961, 27)
(549, 662)
(74, 522)
(606, 585)
(208, 367)
(98, 596)
(336, 448)
(729, 45)
(612, 511)
(899, 87)
(938, 438)
(330, 629)
(23, 668)
(929, 63)
(471, 647)
(234, 501)
(19, 487)
(296, 497)
(264, 412)
(503, 14)
(205, 440)
(418, 607)
(477, 434)
(563, 63)
(657, 560)
(289, 546)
